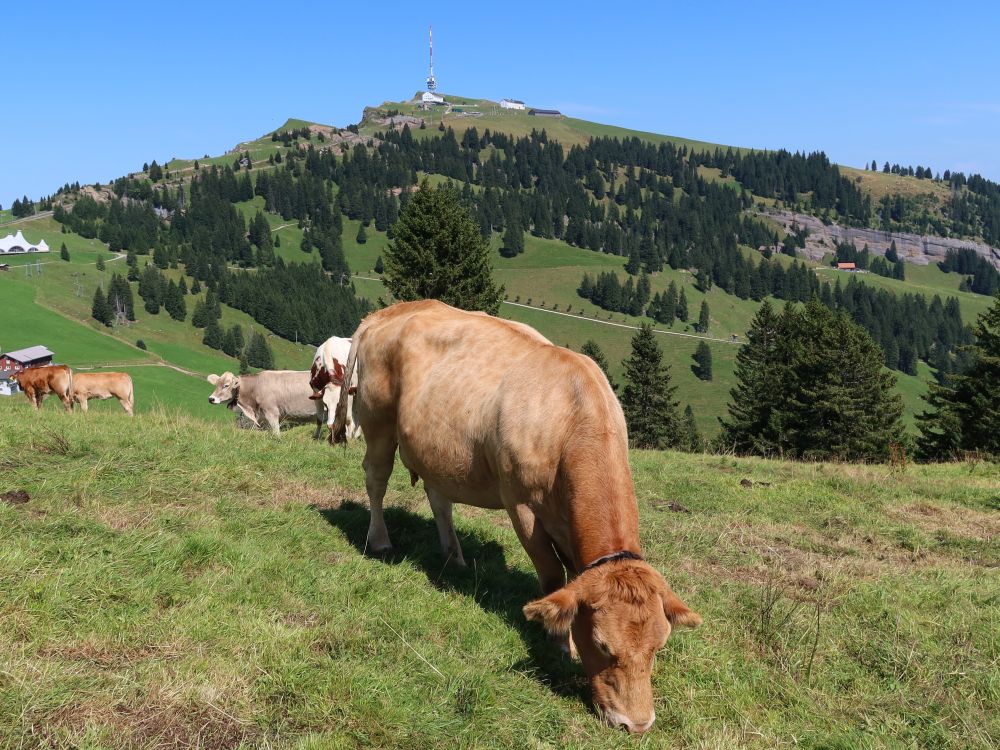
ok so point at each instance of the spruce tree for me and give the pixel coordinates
(100, 262)
(838, 400)
(965, 411)
(592, 350)
(362, 236)
(196, 287)
(682, 307)
(259, 352)
(692, 439)
(702, 366)
(703, 318)
(213, 335)
(100, 310)
(64, 252)
(752, 424)
(647, 399)
(379, 266)
(437, 252)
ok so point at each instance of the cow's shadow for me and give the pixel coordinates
(495, 586)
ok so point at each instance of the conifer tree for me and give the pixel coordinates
(362, 236)
(692, 439)
(100, 310)
(196, 287)
(213, 335)
(702, 366)
(437, 252)
(647, 398)
(682, 307)
(64, 252)
(752, 425)
(100, 262)
(259, 352)
(965, 411)
(379, 266)
(592, 350)
(703, 318)
(839, 401)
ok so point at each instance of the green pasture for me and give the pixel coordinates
(169, 582)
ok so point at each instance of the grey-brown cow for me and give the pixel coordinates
(269, 397)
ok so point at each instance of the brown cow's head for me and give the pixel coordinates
(620, 614)
(320, 377)
(227, 388)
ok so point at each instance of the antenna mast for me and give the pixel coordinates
(431, 80)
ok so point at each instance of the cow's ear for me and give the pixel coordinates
(555, 611)
(677, 612)
(213, 379)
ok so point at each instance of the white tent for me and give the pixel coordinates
(15, 243)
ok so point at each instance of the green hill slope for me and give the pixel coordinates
(155, 597)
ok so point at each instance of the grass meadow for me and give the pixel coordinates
(171, 582)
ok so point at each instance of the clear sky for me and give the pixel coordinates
(93, 90)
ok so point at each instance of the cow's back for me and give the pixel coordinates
(477, 401)
(103, 385)
(286, 391)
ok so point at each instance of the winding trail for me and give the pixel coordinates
(601, 322)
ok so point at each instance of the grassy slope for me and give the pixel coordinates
(176, 342)
(154, 596)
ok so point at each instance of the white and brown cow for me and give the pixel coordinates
(268, 398)
(102, 385)
(490, 413)
(327, 374)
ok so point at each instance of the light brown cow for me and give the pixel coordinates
(103, 385)
(490, 413)
(38, 382)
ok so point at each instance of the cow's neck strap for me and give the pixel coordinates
(622, 555)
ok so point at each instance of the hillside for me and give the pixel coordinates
(541, 282)
(198, 605)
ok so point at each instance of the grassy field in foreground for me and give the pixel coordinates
(172, 584)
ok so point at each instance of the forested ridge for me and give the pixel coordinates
(646, 202)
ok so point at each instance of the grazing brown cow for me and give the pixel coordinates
(102, 385)
(37, 382)
(490, 413)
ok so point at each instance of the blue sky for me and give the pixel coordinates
(110, 85)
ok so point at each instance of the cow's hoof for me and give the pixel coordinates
(383, 551)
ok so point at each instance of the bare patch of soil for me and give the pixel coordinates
(15, 497)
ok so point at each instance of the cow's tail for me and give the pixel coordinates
(338, 433)
(131, 396)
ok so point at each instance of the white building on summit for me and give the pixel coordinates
(511, 104)
(15, 243)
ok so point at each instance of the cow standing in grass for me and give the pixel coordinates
(326, 376)
(490, 413)
(268, 398)
(38, 382)
(103, 385)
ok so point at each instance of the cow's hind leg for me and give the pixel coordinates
(67, 401)
(442, 508)
(380, 454)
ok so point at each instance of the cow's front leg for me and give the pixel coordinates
(273, 419)
(83, 404)
(380, 454)
(442, 508)
(541, 549)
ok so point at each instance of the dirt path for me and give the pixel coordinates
(602, 322)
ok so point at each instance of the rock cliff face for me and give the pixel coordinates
(914, 248)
